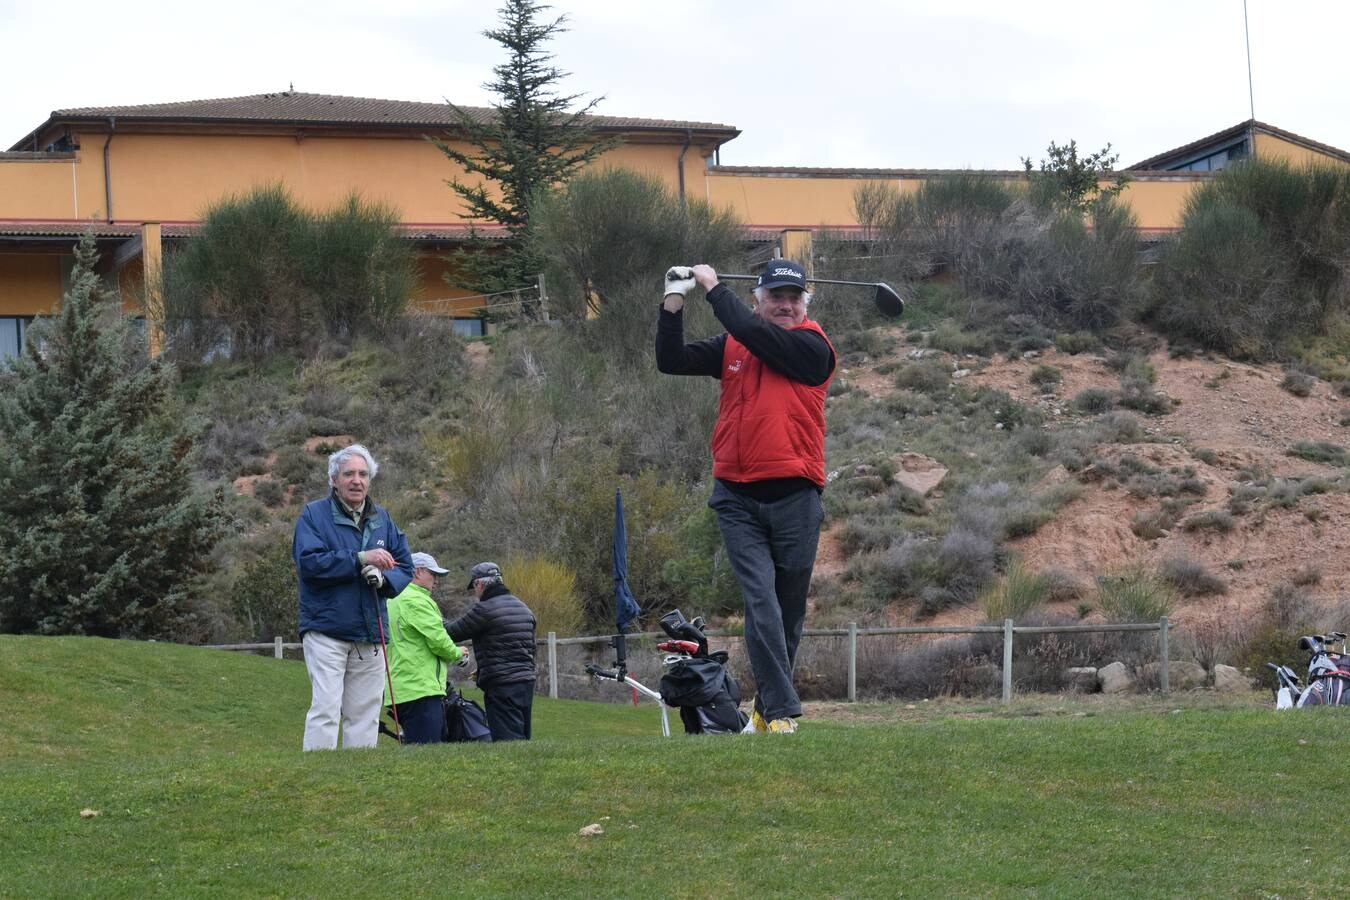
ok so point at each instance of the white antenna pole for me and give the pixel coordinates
(1246, 31)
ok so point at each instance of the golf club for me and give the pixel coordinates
(887, 301)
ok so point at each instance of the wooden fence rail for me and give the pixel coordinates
(1008, 629)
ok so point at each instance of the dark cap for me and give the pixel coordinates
(483, 570)
(782, 273)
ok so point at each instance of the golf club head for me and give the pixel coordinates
(888, 302)
(1310, 644)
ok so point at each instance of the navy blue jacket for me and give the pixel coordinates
(334, 599)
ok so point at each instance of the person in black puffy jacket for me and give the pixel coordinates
(502, 630)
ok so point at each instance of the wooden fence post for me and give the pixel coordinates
(1007, 659)
(553, 665)
(852, 662)
(1163, 680)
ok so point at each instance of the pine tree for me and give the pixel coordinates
(533, 144)
(101, 530)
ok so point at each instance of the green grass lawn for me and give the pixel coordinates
(191, 758)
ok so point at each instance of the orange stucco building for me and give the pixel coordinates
(140, 176)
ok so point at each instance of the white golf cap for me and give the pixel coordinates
(428, 562)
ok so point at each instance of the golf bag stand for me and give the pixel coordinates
(620, 674)
(697, 682)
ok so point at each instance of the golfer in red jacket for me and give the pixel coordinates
(768, 446)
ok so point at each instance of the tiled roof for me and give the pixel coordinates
(434, 231)
(295, 108)
(1218, 137)
(819, 172)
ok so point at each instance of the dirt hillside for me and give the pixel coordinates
(1247, 422)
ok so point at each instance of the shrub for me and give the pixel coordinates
(609, 230)
(1191, 578)
(1093, 401)
(1121, 427)
(1153, 524)
(1321, 451)
(1289, 608)
(1260, 259)
(1077, 342)
(1212, 520)
(270, 492)
(548, 589)
(1300, 384)
(1206, 456)
(1020, 592)
(928, 376)
(950, 338)
(266, 274)
(297, 466)
(262, 594)
(1046, 377)
(1134, 596)
(1305, 575)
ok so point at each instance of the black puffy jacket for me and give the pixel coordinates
(502, 630)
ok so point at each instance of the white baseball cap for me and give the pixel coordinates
(428, 562)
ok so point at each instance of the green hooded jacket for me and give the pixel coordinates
(420, 650)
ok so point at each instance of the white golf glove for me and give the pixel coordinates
(679, 280)
(373, 576)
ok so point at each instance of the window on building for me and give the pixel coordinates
(1214, 160)
(12, 331)
(468, 327)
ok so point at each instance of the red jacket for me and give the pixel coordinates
(768, 426)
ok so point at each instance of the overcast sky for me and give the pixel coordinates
(900, 84)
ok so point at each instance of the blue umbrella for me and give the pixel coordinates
(626, 608)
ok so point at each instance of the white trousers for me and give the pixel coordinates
(346, 679)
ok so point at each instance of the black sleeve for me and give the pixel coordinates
(799, 354)
(675, 357)
(469, 625)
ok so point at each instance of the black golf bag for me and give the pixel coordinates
(465, 720)
(1328, 675)
(697, 682)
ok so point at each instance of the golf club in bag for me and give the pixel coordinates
(1328, 674)
(697, 682)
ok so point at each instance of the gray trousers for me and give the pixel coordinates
(772, 550)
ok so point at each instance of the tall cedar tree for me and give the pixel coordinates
(533, 144)
(100, 528)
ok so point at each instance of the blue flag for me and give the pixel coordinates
(626, 608)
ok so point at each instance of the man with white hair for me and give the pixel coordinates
(350, 558)
(775, 365)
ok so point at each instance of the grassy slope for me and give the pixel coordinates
(191, 756)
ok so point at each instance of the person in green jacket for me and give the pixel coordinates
(420, 651)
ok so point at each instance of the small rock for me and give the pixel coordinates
(1230, 680)
(89, 813)
(591, 830)
(1115, 678)
(960, 373)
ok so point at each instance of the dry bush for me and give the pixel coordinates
(1191, 578)
(548, 589)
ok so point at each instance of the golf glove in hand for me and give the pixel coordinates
(373, 576)
(679, 280)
